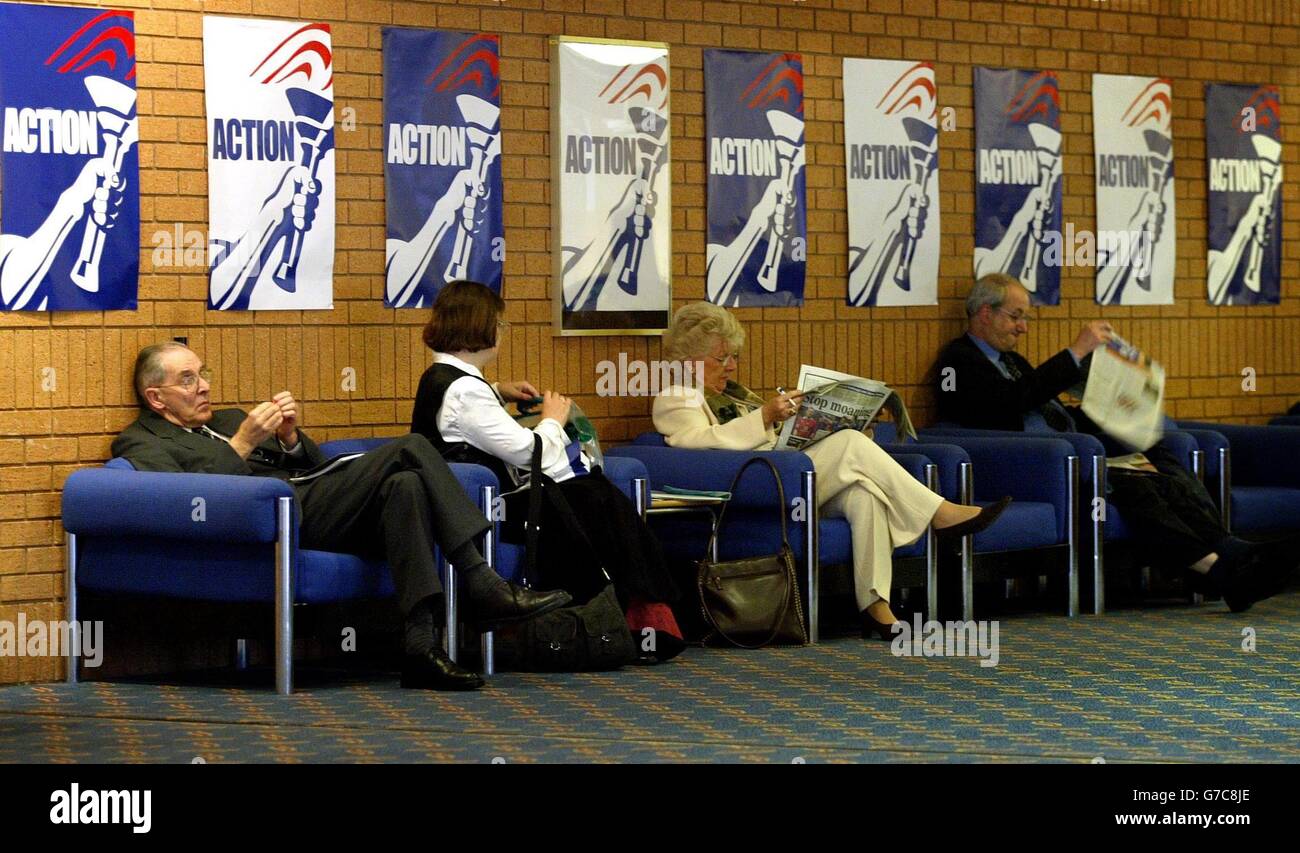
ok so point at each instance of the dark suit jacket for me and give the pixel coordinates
(980, 397)
(153, 443)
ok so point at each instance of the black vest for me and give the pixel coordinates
(424, 421)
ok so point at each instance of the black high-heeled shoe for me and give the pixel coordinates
(986, 517)
(871, 626)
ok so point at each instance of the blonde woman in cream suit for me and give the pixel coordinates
(885, 506)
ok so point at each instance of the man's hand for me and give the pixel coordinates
(517, 392)
(288, 430)
(1091, 336)
(260, 425)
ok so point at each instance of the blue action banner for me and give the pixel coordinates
(1018, 178)
(1243, 145)
(69, 165)
(442, 169)
(757, 226)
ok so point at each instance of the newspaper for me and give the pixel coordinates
(1125, 394)
(834, 401)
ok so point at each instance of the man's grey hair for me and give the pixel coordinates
(990, 290)
(149, 369)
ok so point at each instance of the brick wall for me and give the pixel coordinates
(44, 435)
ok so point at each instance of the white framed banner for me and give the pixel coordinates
(1132, 121)
(891, 156)
(611, 209)
(269, 88)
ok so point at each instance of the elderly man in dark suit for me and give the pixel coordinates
(397, 501)
(983, 383)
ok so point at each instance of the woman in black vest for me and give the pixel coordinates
(465, 418)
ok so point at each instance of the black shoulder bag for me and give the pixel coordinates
(583, 637)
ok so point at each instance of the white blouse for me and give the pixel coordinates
(474, 413)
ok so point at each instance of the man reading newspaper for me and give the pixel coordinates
(982, 382)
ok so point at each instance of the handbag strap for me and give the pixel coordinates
(791, 583)
(537, 481)
(735, 482)
(532, 527)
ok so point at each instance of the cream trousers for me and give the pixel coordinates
(886, 507)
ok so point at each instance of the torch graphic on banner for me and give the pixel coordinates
(1047, 144)
(788, 131)
(653, 152)
(115, 108)
(1160, 160)
(924, 147)
(481, 121)
(315, 127)
(1269, 152)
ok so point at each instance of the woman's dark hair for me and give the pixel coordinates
(464, 318)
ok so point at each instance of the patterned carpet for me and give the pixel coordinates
(1161, 683)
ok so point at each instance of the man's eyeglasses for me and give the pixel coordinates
(733, 358)
(1016, 316)
(189, 381)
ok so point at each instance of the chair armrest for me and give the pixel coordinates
(715, 469)
(622, 470)
(1209, 441)
(196, 507)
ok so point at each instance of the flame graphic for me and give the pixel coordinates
(474, 62)
(303, 52)
(915, 89)
(1039, 95)
(104, 41)
(1153, 104)
(1267, 104)
(782, 80)
(650, 80)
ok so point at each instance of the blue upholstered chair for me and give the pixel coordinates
(749, 527)
(139, 533)
(1105, 529)
(1257, 471)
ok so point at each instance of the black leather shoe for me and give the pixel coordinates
(507, 603)
(986, 517)
(1243, 581)
(433, 670)
(871, 627)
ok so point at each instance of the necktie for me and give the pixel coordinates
(212, 434)
(1054, 414)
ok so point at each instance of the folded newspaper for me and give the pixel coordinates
(834, 401)
(1125, 394)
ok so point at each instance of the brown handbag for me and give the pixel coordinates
(753, 602)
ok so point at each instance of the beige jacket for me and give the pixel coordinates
(681, 415)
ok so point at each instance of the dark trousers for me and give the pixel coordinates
(396, 502)
(1172, 516)
(605, 531)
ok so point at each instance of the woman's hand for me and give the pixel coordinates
(556, 406)
(517, 392)
(781, 407)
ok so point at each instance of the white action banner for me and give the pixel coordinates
(611, 209)
(891, 152)
(270, 103)
(1132, 136)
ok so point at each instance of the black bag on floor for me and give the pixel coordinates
(580, 638)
